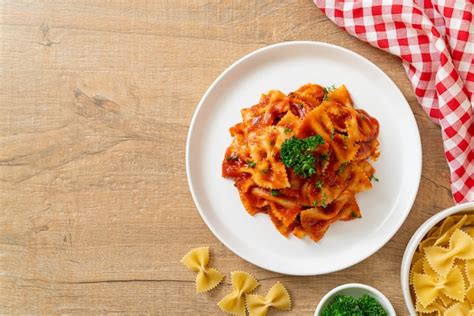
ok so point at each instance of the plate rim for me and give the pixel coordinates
(417, 162)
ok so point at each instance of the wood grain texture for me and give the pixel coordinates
(96, 99)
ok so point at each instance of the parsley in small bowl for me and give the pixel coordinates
(354, 299)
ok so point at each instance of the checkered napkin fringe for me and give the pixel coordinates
(435, 40)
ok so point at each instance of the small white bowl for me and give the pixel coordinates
(355, 290)
(413, 244)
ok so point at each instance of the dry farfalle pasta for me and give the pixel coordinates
(243, 283)
(442, 271)
(234, 302)
(428, 287)
(207, 278)
(461, 246)
(458, 309)
(277, 297)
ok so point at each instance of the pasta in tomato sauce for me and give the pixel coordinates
(301, 158)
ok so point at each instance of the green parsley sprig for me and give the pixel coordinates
(372, 177)
(251, 164)
(319, 184)
(298, 154)
(328, 90)
(342, 167)
(324, 201)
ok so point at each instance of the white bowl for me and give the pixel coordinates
(413, 244)
(355, 290)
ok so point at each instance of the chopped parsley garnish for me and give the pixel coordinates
(345, 305)
(298, 154)
(288, 130)
(372, 177)
(318, 184)
(328, 90)
(275, 192)
(353, 214)
(342, 167)
(344, 140)
(324, 203)
(315, 203)
(251, 164)
(265, 170)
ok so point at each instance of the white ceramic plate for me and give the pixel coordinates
(287, 66)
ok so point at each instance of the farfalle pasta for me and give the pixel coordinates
(458, 309)
(277, 297)
(301, 158)
(461, 246)
(206, 278)
(242, 283)
(442, 270)
(429, 287)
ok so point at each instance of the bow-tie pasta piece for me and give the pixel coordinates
(429, 287)
(439, 236)
(265, 145)
(469, 272)
(277, 297)
(417, 267)
(207, 278)
(234, 302)
(436, 307)
(447, 232)
(458, 309)
(461, 246)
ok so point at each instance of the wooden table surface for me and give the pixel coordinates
(96, 100)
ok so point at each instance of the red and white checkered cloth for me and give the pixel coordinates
(435, 40)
